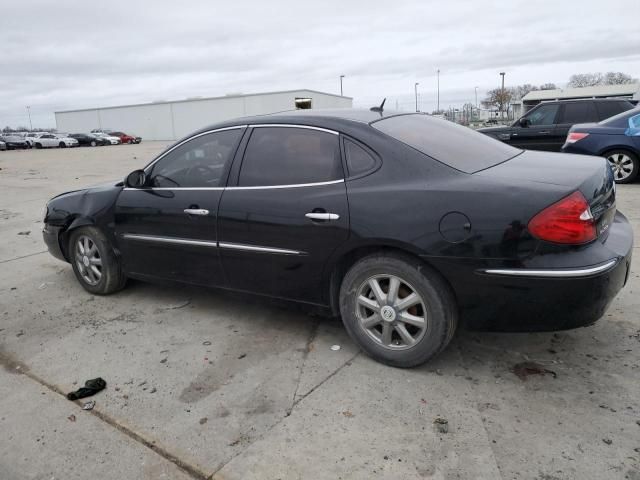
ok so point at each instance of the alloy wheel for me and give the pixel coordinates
(621, 164)
(391, 312)
(88, 260)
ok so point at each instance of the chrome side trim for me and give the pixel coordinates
(289, 125)
(146, 189)
(252, 248)
(164, 154)
(297, 185)
(175, 241)
(568, 273)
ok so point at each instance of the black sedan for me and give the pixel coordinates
(13, 142)
(616, 138)
(89, 140)
(400, 223)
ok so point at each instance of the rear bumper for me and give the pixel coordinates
(51, 237)
(502, 298)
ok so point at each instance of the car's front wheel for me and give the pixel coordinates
(93, 143)
(397, 310)
(94, 262)
(624, 164)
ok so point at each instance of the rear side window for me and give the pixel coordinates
(290, 156)
(452, 144)
(579, 112)
(358, 159)
(609, 109)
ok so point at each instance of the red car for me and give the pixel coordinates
(126, 138)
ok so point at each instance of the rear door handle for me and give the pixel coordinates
(322, 216)
(196, 211)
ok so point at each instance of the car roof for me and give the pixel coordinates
(573, 100)
(329, 118)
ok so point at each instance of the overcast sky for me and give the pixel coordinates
(66, 55)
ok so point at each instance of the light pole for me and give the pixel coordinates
(341, 77)
(29, 112)
(416, 89)
(438, 103)
(502, 96)
(476, 96)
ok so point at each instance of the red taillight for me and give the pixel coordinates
(567, 221)
(573, 137)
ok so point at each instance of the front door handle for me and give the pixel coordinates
(196, 211)
(322, 216)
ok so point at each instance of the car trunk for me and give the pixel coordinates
(590, 175)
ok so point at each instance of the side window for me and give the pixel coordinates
(609, 109)
(289, 156)
(579, 112)
(544, 115)
(200, 162)
(358, 159)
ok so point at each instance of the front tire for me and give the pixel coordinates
(93, 143)
(62, 145)
(398, 310)
(624, 165)
(94, 262)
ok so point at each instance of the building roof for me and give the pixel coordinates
(583, 92)
(200, 99)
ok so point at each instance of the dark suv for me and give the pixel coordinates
(546, 125)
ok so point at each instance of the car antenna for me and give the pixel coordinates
(380, 108)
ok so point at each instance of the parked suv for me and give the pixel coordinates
(545, 126)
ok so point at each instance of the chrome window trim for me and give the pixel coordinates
(164, 154)
(295, 185)
(291, 125)
(253, 248)
(568, 273)
(177, 241)
(213, 244)
(268, 187)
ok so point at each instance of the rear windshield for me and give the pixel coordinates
(452, 144)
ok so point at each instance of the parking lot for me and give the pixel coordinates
(203, 384)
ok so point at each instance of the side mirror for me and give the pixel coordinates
(524, 122)
(136, 179)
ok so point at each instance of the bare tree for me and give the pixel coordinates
(498, 98)
(548, 86)
(598, 78)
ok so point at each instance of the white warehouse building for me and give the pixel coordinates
(172, 120)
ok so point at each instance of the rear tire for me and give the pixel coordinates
(62, 145)
(409, 318)
(624, 164)
(94, 262)
(38, 145)
(93, 143)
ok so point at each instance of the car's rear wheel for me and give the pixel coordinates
(624, 165)
(93, 143)
(62, 145)
(38, 145)
(397, 310)
(94, 262)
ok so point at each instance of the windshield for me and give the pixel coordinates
(459, 147)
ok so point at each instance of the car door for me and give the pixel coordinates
(47, 140)
(167, 228)
(539, 132)
(285, 214)
(583, 111)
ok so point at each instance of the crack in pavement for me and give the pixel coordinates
(21, 368)
(23, 256)
(295, 404)
(312, 335)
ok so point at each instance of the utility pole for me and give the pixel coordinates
(438, 75)
(29, 112)
(476, 96)
(502, 99)
(341, 77)
(416, 89)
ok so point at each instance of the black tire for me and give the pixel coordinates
(62, 145)
(112, 278)
(634, 159)
(38, 145)
(438, 300)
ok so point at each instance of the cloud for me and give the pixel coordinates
(73, 55)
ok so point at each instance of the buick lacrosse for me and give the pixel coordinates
(402, 224)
